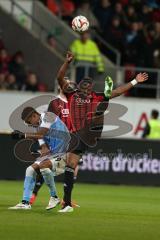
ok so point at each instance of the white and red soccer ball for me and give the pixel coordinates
(80, 24)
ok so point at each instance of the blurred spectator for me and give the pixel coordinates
(145, 14)
(156, 15)
(115, 35)
(64, 8)
(134, 48)
(3, 84)
(42, 87)
(31, 83)
(131, 15)
(87, 57)
(11, 82)
(152, 129)
(67, 9)
(156, 46)
(51, 41)
(4, 61)
(153, 3)
(13, 71)
(103, 12)
(120, 13)
(85, 10)
(18, 68)
(53, 6)
(124, 2)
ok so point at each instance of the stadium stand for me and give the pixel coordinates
(15, 74)
(130, 26)
(130, 30)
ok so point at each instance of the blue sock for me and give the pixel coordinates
(29, 183)
(49, 180)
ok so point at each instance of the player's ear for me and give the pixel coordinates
(35, 114)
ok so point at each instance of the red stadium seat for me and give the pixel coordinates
(67, 7)
(53, 6)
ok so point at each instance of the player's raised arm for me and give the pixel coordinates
(62, 71)
(140, 78)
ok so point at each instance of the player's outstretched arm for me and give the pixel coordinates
(16, 134)
(38, 135)
(140, 78)
(62, 71)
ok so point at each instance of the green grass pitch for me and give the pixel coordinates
(106, 213)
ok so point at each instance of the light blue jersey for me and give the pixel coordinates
(57, 137)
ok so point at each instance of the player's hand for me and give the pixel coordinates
(142, 77)
(17, 135)
(69, 57)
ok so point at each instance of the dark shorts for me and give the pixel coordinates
(81, 148)
(79, 145)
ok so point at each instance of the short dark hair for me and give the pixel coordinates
(86, 80)
(155, 113)
(27, 112)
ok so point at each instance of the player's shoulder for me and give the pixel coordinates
(71, 93)
(54, 100)
(48, 117)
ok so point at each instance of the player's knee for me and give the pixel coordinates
(30, 171)
(45, 171)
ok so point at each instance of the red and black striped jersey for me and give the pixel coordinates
(79, 110)
(83, 109)
(60, 107)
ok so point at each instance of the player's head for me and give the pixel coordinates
(85, 86)
(154, 114)
(69, 86)
(30, 116)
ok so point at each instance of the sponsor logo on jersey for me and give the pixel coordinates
(65, 111)
(81, 101)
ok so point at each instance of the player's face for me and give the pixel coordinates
(33, 120)
(85, 88)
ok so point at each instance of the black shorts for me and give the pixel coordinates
(81, 148)
(77, 146)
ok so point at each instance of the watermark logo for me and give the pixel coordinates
(92, 120)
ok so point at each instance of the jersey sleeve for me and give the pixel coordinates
(54, 107)
(41, 142)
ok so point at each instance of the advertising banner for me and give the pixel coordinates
(112, 161)
(122, 161)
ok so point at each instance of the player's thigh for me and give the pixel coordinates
(72, 159)
(45, 164)
(35, 166)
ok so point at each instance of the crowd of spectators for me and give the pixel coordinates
(14, 73)
(131, 26)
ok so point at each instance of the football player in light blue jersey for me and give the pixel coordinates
(54, 139)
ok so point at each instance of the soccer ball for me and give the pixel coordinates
(80, 24)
